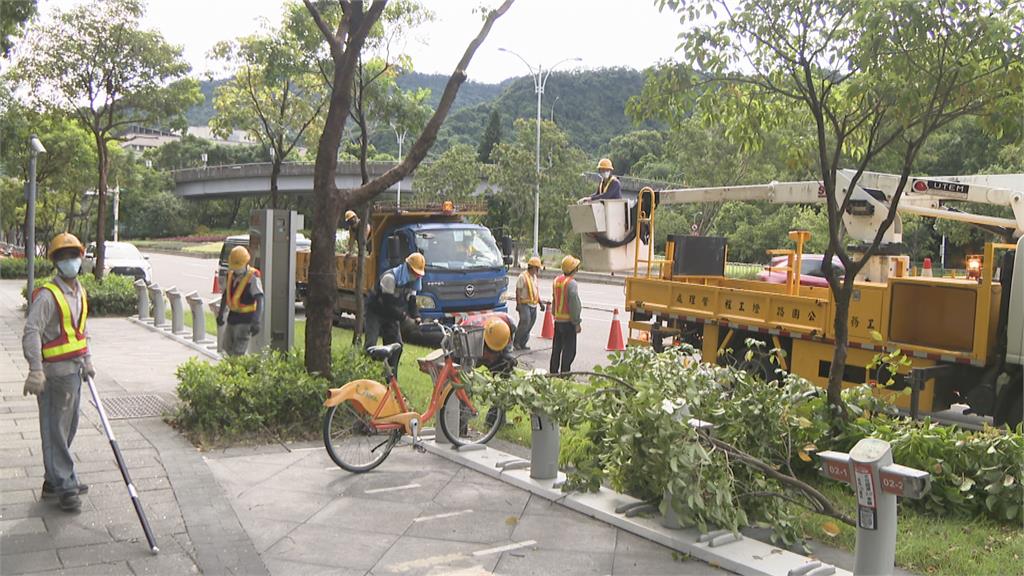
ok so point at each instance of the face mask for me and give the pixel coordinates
(605, 174)
(238, 270)
(69, 268)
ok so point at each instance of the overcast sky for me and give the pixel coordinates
(601, 32)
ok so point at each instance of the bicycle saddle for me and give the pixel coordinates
(384, 352)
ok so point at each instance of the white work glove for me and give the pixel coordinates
(35, 383)
(88, 369)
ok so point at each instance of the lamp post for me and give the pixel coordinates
(540, 79)
(35, 149)
(400, 137)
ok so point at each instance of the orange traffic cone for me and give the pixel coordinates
(615, 335)
(926, 268)
(548, 330)
(216, 283)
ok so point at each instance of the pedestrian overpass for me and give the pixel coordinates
(235, 180)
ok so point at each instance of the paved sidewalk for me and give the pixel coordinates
(418, 514)
(195, 526)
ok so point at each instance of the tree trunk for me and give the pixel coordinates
(838, 367)
(235, 208)
(275, 173)
(101, 206)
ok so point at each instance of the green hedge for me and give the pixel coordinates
(258, 397)
(112, 296)
(18, 267)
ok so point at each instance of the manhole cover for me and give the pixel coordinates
(135, 406)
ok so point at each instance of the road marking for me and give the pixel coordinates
(505, 548)
(392, 489)
(445, 515)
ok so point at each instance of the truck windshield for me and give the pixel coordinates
(459, 249)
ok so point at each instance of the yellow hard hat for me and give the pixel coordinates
(605, 164)
(349, 215)
(497, 334)
(569, 265)
(65, 240)
(238, 257)
(417, 263)
(534, 262)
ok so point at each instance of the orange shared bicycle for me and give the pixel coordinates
(365, 419)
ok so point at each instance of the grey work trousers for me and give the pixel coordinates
(527, 318)
(58, 423)
(236, 339)
(388, 330)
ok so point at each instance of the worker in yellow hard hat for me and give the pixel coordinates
(241, 303)
(393, 301)
(55, 344)
(609, 188)
(351, 224)
(566, 309)
(498, 329)
(527, 301)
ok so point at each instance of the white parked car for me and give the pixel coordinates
(122, 258)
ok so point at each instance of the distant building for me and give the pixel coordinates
(138, 139)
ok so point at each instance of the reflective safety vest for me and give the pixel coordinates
(235, 303)
(532, 297)
(71, 343)
(560, 299)
(603, 185)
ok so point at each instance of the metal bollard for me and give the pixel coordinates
(877, 481)
(143, 299)
(215, 308)
(156, 294)
(544, 447)
(175, 297)
(195, 304)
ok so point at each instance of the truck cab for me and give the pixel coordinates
(465, 269)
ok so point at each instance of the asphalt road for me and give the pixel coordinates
(186, 273)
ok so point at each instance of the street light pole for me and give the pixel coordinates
(540, 79)
(400, 137)
(35, 149)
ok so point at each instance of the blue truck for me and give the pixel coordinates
(466, 270)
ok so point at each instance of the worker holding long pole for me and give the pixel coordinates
(57, 350)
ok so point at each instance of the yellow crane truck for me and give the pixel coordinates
(964, 337)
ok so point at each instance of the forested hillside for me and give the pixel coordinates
(589, 106)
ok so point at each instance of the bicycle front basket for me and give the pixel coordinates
(469, 345)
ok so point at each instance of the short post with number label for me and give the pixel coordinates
(869, 469)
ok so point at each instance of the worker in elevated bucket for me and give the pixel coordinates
(241, 303)
(392, 301)
(567, 310)
(55, 344)
(527, 300)
(609, 188)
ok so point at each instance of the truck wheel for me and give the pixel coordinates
(1011, 405)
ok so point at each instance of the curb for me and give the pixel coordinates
(745, 556)
(179, 339)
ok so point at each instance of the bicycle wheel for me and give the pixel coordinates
(352, 442)
(477, 423)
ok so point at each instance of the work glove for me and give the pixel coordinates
(254, 328)
(220, 320)
(542, 307)
(88, 369)
(35, 383)
(579, 328)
